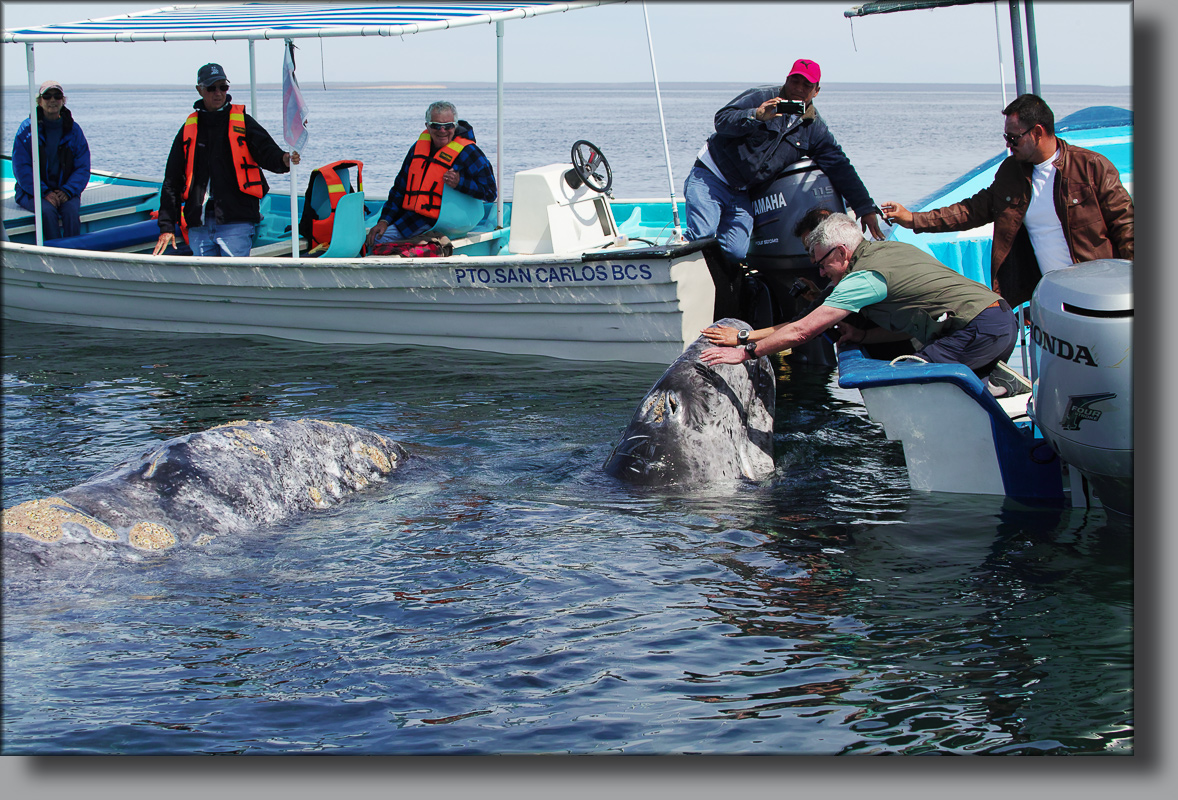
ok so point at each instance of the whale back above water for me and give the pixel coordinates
(230, 479)
(700, 424)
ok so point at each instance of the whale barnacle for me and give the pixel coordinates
(45, 520)
(150, 536)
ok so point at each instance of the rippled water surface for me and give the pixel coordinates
(500, 594)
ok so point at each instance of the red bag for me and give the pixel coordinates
(429, 249)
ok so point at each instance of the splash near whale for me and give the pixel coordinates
(701, 425)
(230, 479)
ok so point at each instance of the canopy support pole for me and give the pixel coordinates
(34, 145)
(1016, 40)
(677, 235)
(1001, 67)
(499, 124)
(294, 199)
(253, 83)
(1033, 49)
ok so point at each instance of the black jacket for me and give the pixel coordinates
(752, 154)
(214, 157)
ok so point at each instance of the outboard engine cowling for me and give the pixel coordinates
(1082, 373)
(777, 209)
(779, 257)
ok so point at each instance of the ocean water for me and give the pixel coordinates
(905, 142)
(500, 594)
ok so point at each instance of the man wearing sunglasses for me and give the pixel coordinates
(1052, 204)
(445, 154)
(213, 183)
(907, 294)
(64, 160)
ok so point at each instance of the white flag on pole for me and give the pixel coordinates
(294, 109)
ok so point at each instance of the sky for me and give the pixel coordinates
(749, 43)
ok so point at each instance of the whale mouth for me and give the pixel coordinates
(637, 459)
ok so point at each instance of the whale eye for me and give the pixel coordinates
(673, 404)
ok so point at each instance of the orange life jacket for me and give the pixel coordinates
(249, 174)
(317, 229)
(423, 185)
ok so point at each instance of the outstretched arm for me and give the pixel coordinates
(781, 337)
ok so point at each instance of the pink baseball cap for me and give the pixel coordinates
(807, 69)
(47, 85)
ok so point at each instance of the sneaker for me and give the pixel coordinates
(1005, 382)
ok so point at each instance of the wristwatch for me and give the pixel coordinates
(742, 335)
(751, 349)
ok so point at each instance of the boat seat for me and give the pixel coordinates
(460, 214)
(348, 230)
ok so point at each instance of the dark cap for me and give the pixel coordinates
(210, 74)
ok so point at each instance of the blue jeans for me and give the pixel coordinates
(232, 239)
(714, 209)
(65, 220)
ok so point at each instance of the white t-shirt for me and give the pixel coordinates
(706, 159)
(1051, 248)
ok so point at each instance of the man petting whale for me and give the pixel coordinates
(905, 291)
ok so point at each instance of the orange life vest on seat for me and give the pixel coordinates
(423, 184)
(249, 174)
(318, 218)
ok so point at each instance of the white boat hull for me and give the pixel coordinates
(643, 308)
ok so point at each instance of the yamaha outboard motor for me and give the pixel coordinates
(780, 259)
(1082, 373)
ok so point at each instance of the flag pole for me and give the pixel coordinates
(294, 131)
(294, 215)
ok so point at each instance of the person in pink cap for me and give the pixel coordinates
(752, 146)
(64, 161)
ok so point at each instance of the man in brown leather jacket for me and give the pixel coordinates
(1052, 205)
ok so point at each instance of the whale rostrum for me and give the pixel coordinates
(229, 479)
(700, 425)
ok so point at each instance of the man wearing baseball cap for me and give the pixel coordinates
(213, 183)
(752, 146)
(64, 161)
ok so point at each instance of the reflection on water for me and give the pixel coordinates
(502, 595)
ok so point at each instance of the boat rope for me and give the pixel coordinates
(908, 357)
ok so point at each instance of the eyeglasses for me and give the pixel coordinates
(441, 126)
(1012, 140)
(53, 95)
(221, 87)
(819, 262)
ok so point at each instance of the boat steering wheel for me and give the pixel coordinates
(589, 163)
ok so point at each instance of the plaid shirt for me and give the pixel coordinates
(476, 177)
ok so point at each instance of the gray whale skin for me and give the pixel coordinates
(701, 425)
(229, 479)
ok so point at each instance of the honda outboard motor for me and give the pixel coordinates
(780, 258)
(1082, 373)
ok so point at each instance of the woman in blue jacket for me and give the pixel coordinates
(65, 164)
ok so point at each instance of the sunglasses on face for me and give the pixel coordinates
(220, 87)
(1012, 139)
(819, 263)
(441, 126)
(53, 95)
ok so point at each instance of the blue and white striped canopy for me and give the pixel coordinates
(285, 21)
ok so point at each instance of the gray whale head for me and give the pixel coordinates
(230, 479)
(700, 425)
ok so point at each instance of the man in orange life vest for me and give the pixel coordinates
(445, 153)
(213, 183)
